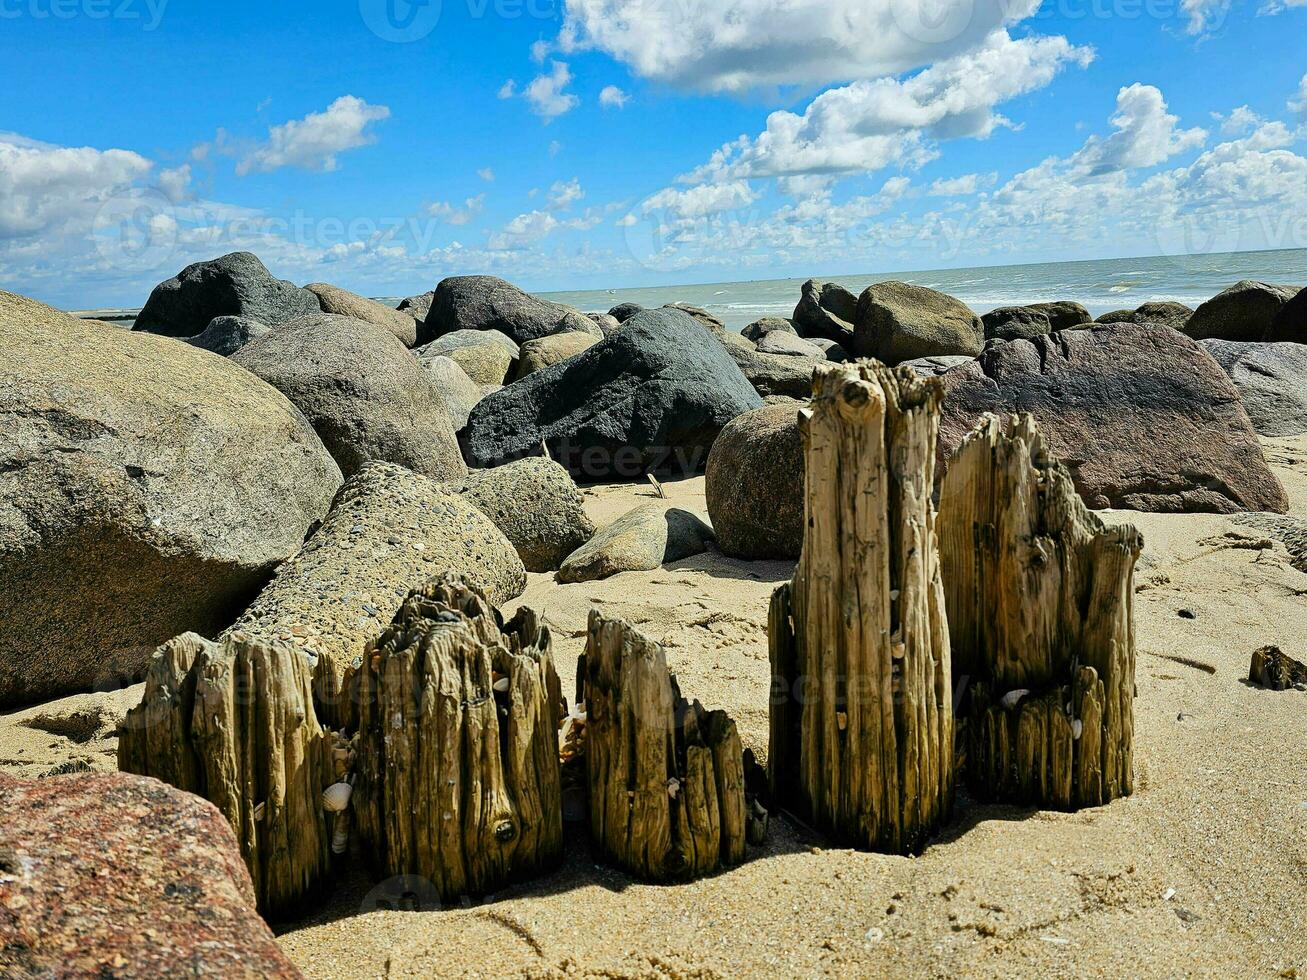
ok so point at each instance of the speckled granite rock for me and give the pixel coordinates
(120, 876)
(389, 531)
(459, 392)
(639, 541)
(546, 351)
(537, 506)
(755, 485)
(147, 488)
(225, 335)
(344, 303)
(486, 356)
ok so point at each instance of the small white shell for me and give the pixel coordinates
(1012, 698)
(259, 811)
(1077, 728)
(673, 787)
(335, 797)
(501, 686)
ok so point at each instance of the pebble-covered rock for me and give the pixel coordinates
(755, 485)
(643, 539)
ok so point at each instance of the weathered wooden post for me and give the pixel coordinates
(1040, 607)
(457, 750)
(234, 722)
(862, 713)
(665, 777)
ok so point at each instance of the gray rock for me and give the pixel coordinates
(234, 285)
(1063, 315)
(344, 303)
(771, 374)
(640, 541)
(537, 506)
(417, 306)
(898, 322)
(606, 322)
(1244, 312)
(624, 311)
(755, 485)
(226, 335)
(826, 310)
(933, 367)
(147, 488)
(789, 345)
(459, 392)
(699, 313)
(1174, 315)
(1272, 381)
(1143, 418)
(486, 356)
(363, 392)
(389, 531)
(1015, 323)
(488, 303)
(1290, 324)
(653, 396)
(548, 351)
(760, 328)
(832, 351)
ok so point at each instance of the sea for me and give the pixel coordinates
(1102, 285)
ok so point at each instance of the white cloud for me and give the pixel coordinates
(313, 143)
(1240, 120)
(1145, 135)
(1205, 16)
(508, 89)
(963, 186)
(453, 214)
(695, 202)
(563, 194)
(546, 93)
(738, 45)
(1272, 7)
(870, 125)
(1298, 104)
(555, 148)
(486, 174)
(613, 97)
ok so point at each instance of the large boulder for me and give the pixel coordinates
(755, 485)
(1272, 381)
(417, 306)
(897, 322)
(1142, 416)
(1063, 314)
(486, 356)
(1245, 312)
(361, 389)
(1015, 323)
(624, 311)
(459, 392)
(234, 285)
(488, 303)
(1167, 314)
(789, 345)
(344, 303)
(768, 324)
(771, 374)
(827, 310)
(1290, 324)
(713, 324)
(226, 335)
(653, 396)
(389, 531)
(122, 876)
(147, 488)
(640, 541)
(548, 351)
(537, 506)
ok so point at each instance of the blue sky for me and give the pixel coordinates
(570, 144)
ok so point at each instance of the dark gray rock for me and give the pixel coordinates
(755, 485)
(226, 335)
(653, 396)
(459, 392)
(760, 328)
(362, 391)
(640, 541)
(417, 306)
(537, 506)
(897, 322)
(830, 350)
(826, 310)
(1272, 381)
(1143, 418)
(234, 285)
(147, 488)
(488, 303)
(1063, 315)
(1016, 323)
(788, 345)
(624, 311)
(1290, 324)
(1245, 312)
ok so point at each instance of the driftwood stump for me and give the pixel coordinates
(1040, 605)
(1273, 668)
(861, 712)
(665, 777)
(458, 769)
(234, 722)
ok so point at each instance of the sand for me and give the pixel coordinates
(1202, 872)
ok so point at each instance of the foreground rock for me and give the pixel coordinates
(459, 392)
(342, 302)
(897, 322)
(389, 531)
(485, 355)
(148, 489)
(225, 335)
(644, 539)
(120, 876)
(755, 485)
(537, 506)
(1016, 323)
(1143, 418)
(1244, 312)
(1272, 381)
(1290, 324)
(363, 392)
(653, 396)
(234, 285)
(548, 351)
(1173, 315)
(826, 310)
(488, 303)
